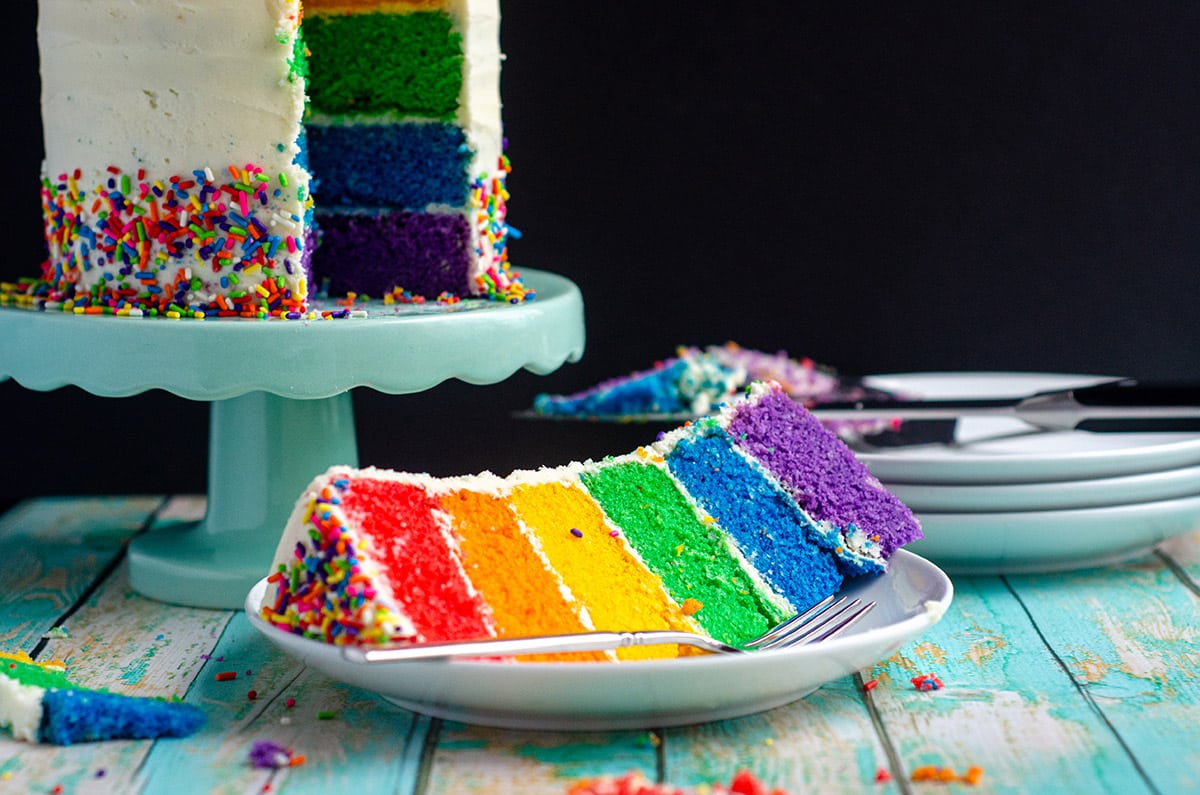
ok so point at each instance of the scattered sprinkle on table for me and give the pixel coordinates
(927, 682)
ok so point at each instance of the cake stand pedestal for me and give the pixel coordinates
(280, 407)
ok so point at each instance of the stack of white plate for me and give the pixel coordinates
(1006, 498)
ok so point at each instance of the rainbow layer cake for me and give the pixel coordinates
(222, 159)
(173, 181)
(725, 526)
(404, 137)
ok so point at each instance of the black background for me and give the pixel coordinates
(882, 187)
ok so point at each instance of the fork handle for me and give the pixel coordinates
(506, 647)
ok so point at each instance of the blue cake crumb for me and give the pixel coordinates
(74, 716)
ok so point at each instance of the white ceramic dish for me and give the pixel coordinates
(1012, 497)
(912, 596)
(1041, 541)
(1000, 450)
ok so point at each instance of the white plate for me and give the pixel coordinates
(1001, 450)
(1012, 497)
(1040, 541)
(912, 596)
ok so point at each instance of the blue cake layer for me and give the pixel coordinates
(752, 508)
(358, 164)
(652, 391)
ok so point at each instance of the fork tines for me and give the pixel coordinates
(824, 620)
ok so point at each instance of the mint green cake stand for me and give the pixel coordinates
(280, 408)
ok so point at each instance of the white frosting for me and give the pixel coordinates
(479, 108)
(20, 708)
(171, 87)
(146, 82)
(706, 382)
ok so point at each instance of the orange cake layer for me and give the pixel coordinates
(525, 597)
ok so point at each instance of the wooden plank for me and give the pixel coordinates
(363, 748)
(126, 644)
(54, 549)
(824, 743)
(114, 639)
(1006, 704)
(1130, 637)
(485, 761)
(1183, 553)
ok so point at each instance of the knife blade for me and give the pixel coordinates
(1124, 405)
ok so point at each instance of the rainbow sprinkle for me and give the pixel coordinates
(187, 245)
(489, 196)
(926, 682)
(324, 594)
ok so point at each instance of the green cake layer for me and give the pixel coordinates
(380, 63)
(693, 558)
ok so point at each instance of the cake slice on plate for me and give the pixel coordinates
(696, 380)
(724, 526)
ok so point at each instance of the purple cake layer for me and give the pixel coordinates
(821, 473)
(374, 253)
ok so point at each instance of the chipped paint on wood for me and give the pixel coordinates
(777, 745)
(1007, 707)
(486, 761)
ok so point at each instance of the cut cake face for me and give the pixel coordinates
(404, 136)
(725, 526)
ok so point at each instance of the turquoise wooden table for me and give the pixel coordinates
(1078, 682)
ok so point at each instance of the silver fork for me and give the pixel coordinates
(824, 620)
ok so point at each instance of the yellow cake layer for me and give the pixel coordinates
(597, 566)
(525, 598)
